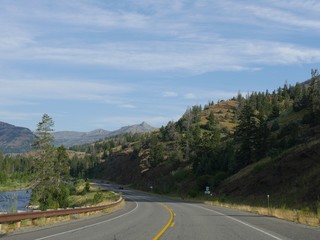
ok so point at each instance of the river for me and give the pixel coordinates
(13, 201)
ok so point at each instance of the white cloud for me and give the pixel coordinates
(169, 94)
(17, 91)
(282, 17)
(190, 96)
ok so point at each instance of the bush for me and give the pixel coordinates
(192, 193)
(98, 198)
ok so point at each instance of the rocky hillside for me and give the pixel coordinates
(15, 139)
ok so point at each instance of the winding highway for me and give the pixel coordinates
(151, 217)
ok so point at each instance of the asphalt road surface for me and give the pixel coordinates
(151, 217)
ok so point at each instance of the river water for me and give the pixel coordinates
(13, 201)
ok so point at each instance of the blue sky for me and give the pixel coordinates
(107, 64)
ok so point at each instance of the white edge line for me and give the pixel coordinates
(239, 221)
(88, 226)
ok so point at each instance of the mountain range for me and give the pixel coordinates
(71, 138)
(15, 139)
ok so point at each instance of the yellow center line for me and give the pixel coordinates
(170, 223)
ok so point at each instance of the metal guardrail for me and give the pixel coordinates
(15, 217)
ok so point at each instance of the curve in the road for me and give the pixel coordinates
(167, 225)
(88, 226)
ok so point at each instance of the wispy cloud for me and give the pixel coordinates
(17, 91)
(186, 45)
(145, 56)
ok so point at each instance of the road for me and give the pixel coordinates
(149, 217)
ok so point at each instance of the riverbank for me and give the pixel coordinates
(13, 186)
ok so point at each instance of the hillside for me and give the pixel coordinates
(15, 139)
(242, 148)
(291, 179)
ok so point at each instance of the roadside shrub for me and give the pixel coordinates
(97, 198)
(193, 193)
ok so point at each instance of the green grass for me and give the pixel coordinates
(93, 197)
(13, 185)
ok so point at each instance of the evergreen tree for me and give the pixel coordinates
(314, 95)
(49, 168)
(245, 136)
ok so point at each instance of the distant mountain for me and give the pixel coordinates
(71, 138)
(138, 128)
(15, 139)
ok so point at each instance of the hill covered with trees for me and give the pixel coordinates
(242, 148)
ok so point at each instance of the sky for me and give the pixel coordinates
(93, 64)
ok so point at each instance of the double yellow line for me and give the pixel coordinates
(170, 223)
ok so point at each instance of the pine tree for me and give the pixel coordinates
(43, 163)
(314, 95)
(49, 168)
(246, 136)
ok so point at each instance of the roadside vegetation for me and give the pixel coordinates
(83, 194)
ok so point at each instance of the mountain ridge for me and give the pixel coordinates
(71, 138)
(15, 139)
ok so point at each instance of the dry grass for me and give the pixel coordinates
(88, 199)
(10, 227)
(298, 216)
